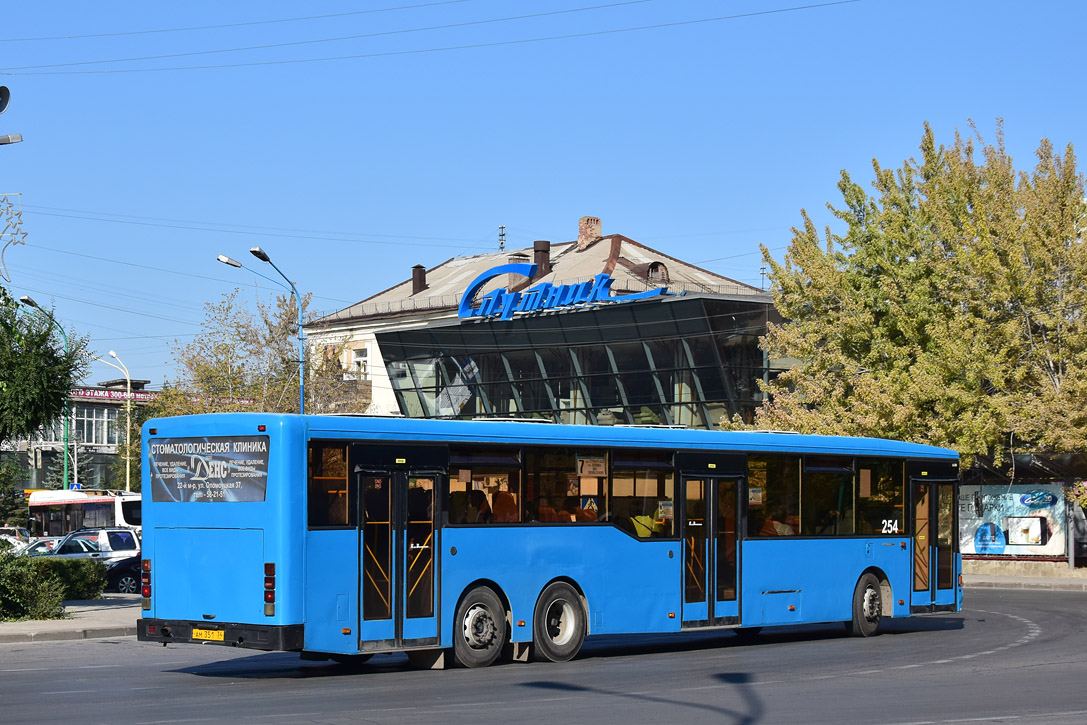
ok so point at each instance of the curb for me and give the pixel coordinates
(1053, 587)
(68, 635)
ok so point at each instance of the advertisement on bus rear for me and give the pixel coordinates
(209, 470)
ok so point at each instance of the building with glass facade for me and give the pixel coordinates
(599, 330)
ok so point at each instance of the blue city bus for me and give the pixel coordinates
(342, 537)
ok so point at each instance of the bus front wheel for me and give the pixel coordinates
(479, 629)
(867, 607)
(558, 625)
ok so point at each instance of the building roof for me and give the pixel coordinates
(634, 267)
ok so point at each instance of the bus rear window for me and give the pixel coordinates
(131, 511)
(209, 470)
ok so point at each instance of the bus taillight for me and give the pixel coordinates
(145, 582)
(269, 589)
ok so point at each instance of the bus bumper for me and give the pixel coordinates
(287, 637)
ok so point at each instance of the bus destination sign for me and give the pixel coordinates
(209, 470)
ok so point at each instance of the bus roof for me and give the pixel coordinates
(500, 432)
(55, 498)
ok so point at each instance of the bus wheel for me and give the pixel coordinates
(558, 625)
(479, 628)
(867, 607)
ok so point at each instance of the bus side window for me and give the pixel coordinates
(327, 489)
(484, 485)
(642, 502)
(881, 496)
(773, 495)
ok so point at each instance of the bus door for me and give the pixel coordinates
(934, 544)
(711, 550)
(397, 558)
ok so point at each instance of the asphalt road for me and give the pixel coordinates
(1010, 656)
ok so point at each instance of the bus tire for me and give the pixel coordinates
(867, 607)
(479, 629)
(559, 623)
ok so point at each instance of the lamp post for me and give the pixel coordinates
(29, 302)
(128, 411)
(263, 256)
(128, 420)
(5, 99)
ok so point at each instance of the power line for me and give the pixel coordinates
(418, 51)
(158, 269)
(112, 307)
(292, 43)
(231, 25)
(210, 226)
(241, 231)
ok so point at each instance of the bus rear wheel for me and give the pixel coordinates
(558, 625)
(479, 628)
(867, 607)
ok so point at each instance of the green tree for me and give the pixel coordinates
(80, 467)
(36, 371)
(242, 361)
(13, 506)
(951, 311)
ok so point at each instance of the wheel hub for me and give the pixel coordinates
(872, 604)
(479, 627)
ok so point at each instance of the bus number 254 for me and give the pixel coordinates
(890, 526)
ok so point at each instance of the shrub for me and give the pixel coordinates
(33, 588)
(79, 578)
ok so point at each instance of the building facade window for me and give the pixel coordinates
(687, 361)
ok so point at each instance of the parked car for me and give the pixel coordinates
(39, 547)
(9, 543)
(105, 544)
(123, 575)
(15, 532)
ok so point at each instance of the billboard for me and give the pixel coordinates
(1016, 520)
(209, 470)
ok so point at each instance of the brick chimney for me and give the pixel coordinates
(541, 257)
(512, 280)
(418, 279)
(588, 231)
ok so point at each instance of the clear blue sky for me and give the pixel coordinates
(701, 139)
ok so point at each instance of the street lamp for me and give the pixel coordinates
(29, 302)
(128, 419)
(263, 256)
(5, 99)
(128, 412)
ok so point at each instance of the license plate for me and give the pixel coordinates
(211, 635)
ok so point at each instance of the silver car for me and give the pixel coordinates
(100, 544)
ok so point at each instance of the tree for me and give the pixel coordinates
(13, 507)
(80, 467)
(246, 362)
(953, 310)
(36, 371)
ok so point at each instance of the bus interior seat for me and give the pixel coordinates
(504, 507)
(458, 507)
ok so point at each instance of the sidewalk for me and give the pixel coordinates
(115, 615)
